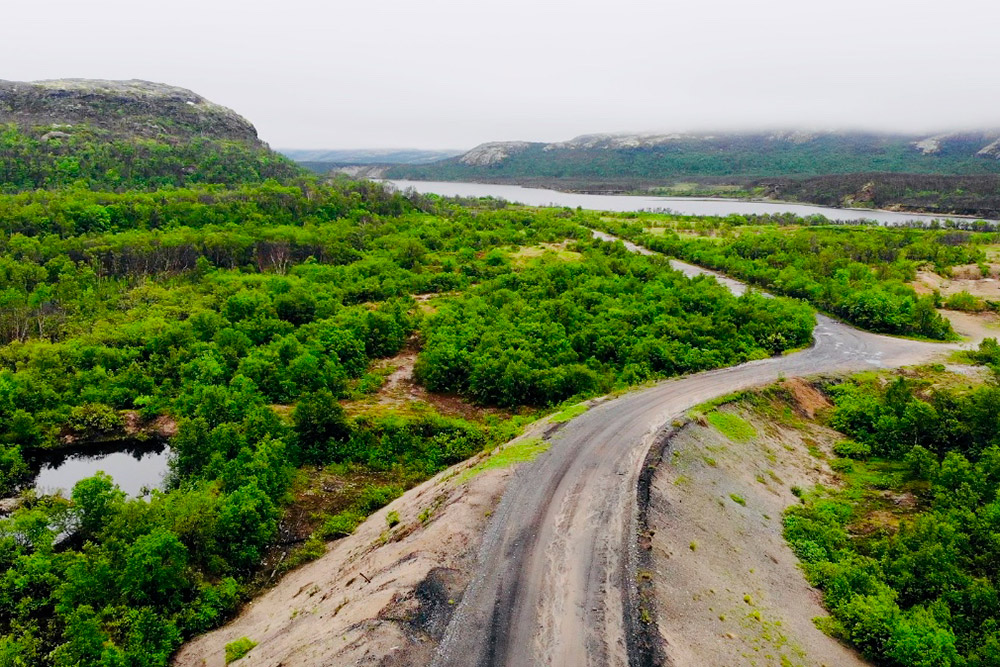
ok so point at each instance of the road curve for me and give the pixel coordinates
(555, 568)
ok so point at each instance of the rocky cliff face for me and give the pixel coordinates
(130, 109)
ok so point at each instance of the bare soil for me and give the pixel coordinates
(964, 278)
(401, 393)
(727, 589)
(807, 399)
(973, 327)
(382, 596)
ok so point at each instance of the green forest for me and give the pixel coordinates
(247, 314)
(919, 588)
(743, 156)
(92, 158)
(211, 284)
(857, 273)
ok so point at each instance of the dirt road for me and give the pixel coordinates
(555, 572)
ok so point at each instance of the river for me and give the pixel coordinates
(681, 205)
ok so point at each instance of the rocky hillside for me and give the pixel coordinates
(655, 158)
(127, 108)
(125, 134)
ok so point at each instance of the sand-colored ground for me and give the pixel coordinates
(966, 278)
(973, 327)
(728, 590)
(382, 596)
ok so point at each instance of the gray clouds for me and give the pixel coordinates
(435, 73)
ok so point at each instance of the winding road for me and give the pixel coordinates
(555, 570)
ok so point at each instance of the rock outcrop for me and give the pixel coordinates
(130, 109)
(486, 155)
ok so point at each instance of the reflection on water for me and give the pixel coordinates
(132, 464)
(681, 205)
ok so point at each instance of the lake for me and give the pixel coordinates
(134, 465)
(681, 205)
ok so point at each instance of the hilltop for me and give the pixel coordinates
(125, 134)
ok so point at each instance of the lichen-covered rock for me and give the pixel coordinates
(993, 150)
(139, 109)
(115, 135)
(486, 155)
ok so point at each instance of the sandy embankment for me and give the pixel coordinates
(381, 596)
(727, 588)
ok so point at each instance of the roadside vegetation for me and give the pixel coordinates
(906, 552)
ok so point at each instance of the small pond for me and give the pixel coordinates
(133, 464)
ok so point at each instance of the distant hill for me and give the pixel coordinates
(125, 134)
(651, 159)
(952, 172)
(322, 160)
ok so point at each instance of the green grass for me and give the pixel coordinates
(708, 406)
(521, 452)
(341, 524)
(239, 648)
(566, 414)
(731, 426)
(738, 499)
(524, 256)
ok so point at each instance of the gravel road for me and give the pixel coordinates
(556, 568)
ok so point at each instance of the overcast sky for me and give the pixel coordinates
(444, 74)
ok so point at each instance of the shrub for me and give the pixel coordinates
(309, 551)
(95, 418)
(965, 301)
(842, 465)
(340, 525)
(850, 449)
(988, 353)
(239, 648)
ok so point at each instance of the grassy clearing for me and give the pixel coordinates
(524, 256)
(520, 452)
(731, 426)
(569, 413)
